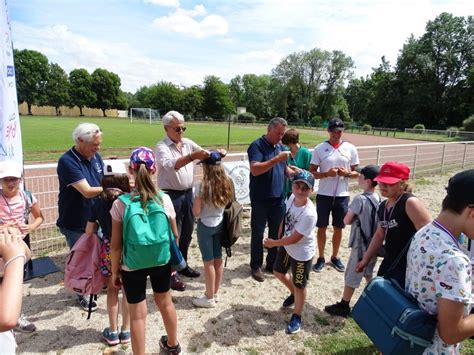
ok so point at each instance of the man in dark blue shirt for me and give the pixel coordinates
(80, 171)
(268, 165)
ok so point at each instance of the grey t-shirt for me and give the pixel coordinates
(363, 210)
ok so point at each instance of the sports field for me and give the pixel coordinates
(46, 138)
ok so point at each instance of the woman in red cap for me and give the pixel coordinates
(400, 216)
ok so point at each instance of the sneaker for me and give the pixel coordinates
(84, 303)
(216, 298)
(258, 275)
(110, 337)
(337, 264)
(294, 326)
(289, 301)
(24, 325)
(320, 264)
(169, 349)
(124, 336)
(339, 309)
(204, 302)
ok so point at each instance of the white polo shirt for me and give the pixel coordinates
(327, 157)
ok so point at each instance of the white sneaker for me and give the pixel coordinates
(204, 302)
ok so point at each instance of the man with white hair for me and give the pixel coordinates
(80, 171)
(174, 159)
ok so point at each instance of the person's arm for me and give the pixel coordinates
(417, 212)
(258, 168)
(453, 326)
(197, 205)
(374, 246)
(37, 215)
(199, 154)
(14, 253)
(295, 237)
(86, 190)
(116, 246)
(174, 229)
(313, 169)
(91, 228)
(349, 217)
(348, 173)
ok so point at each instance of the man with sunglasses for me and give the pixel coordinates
(333, 162)
(80, 171)
(174, 159)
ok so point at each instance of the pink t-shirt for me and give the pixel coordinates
(12, 209)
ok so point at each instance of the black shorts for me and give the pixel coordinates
(299, 269)
(327, 204)
(134, 282)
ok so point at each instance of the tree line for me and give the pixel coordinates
(431, 83)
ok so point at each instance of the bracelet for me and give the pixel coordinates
(14, 258)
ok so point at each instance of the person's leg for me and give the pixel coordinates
(217, 252)
(339, 211)
(321, 237)
(336, 241)
(257, 224)
(187, 223)
(300, 297)
(347, 293)
(323, 208)
(275, 210)
(71, 235)
(219, 271)
(205, 242)
(125, 313)
(285, 280)
(168, 314)
(138, 312)
(112, 305)
(209, 278)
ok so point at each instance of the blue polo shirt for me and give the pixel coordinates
(74, 208)
(271, 183)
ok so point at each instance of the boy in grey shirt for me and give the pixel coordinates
(362, 214)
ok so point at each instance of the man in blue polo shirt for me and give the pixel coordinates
(80, 171)
(268, 165)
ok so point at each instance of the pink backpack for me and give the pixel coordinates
(83, 273)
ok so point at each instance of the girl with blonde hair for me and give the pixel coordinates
(215, 191)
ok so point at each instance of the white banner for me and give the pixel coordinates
(10, 132)
(239, 171)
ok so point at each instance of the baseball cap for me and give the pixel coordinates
(336, 124)
(143, 155)
(369, 171)
(392, 172)
(461, 187)
(304, 176)
(214, 158)
(10, 168)
(114, 167)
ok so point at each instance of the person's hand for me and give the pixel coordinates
(222, 152)
(12, 244)
(24, 228)
(116, 281)
(332, 172)
(343, 172)
(283, 156)
(200, 154)
(268, 243)
(293, 170)
(360, 266)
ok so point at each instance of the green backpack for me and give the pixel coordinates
(146, 235)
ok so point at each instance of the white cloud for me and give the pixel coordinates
(284, 42)
(170, 3)
(182, 22)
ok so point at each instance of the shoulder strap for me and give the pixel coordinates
(372, 219)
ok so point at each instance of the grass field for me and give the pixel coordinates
(46, 138)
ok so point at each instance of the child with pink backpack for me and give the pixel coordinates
(114, 182)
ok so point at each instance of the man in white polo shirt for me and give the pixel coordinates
(336, 161)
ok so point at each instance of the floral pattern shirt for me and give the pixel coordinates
(437, 267)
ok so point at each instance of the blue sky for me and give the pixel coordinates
(182, 41)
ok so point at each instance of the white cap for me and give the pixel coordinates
(10, 168)
(114, 167)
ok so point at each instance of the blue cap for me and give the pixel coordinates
(214, 158)
(306, 177)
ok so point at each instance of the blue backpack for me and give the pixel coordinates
(146, 235)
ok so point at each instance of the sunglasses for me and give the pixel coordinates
(179, 129)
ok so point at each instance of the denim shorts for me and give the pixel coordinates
(209, 240)
(326, 205)
(72, 235)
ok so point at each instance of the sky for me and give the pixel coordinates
(183, 41)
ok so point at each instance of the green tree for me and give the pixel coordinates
(57, 87)
(192, 101)
(80, 89)
(217, 102)
(31, 76)
(106, 86)
(163, 96)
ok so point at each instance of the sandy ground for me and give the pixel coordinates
(247, 318)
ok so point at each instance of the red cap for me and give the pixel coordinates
(392, 172)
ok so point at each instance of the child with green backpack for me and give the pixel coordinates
(143, 226)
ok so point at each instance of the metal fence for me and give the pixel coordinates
(448, 133)
(423, 159)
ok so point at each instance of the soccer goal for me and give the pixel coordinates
(144, 115)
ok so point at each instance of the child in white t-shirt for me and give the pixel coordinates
(297, 246)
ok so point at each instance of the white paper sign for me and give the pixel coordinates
(10, 132)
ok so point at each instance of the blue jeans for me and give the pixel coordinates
(72, 235)
(209, 239)
(183, 204)
(271, 211)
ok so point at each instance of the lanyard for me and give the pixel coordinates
(443, 228)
